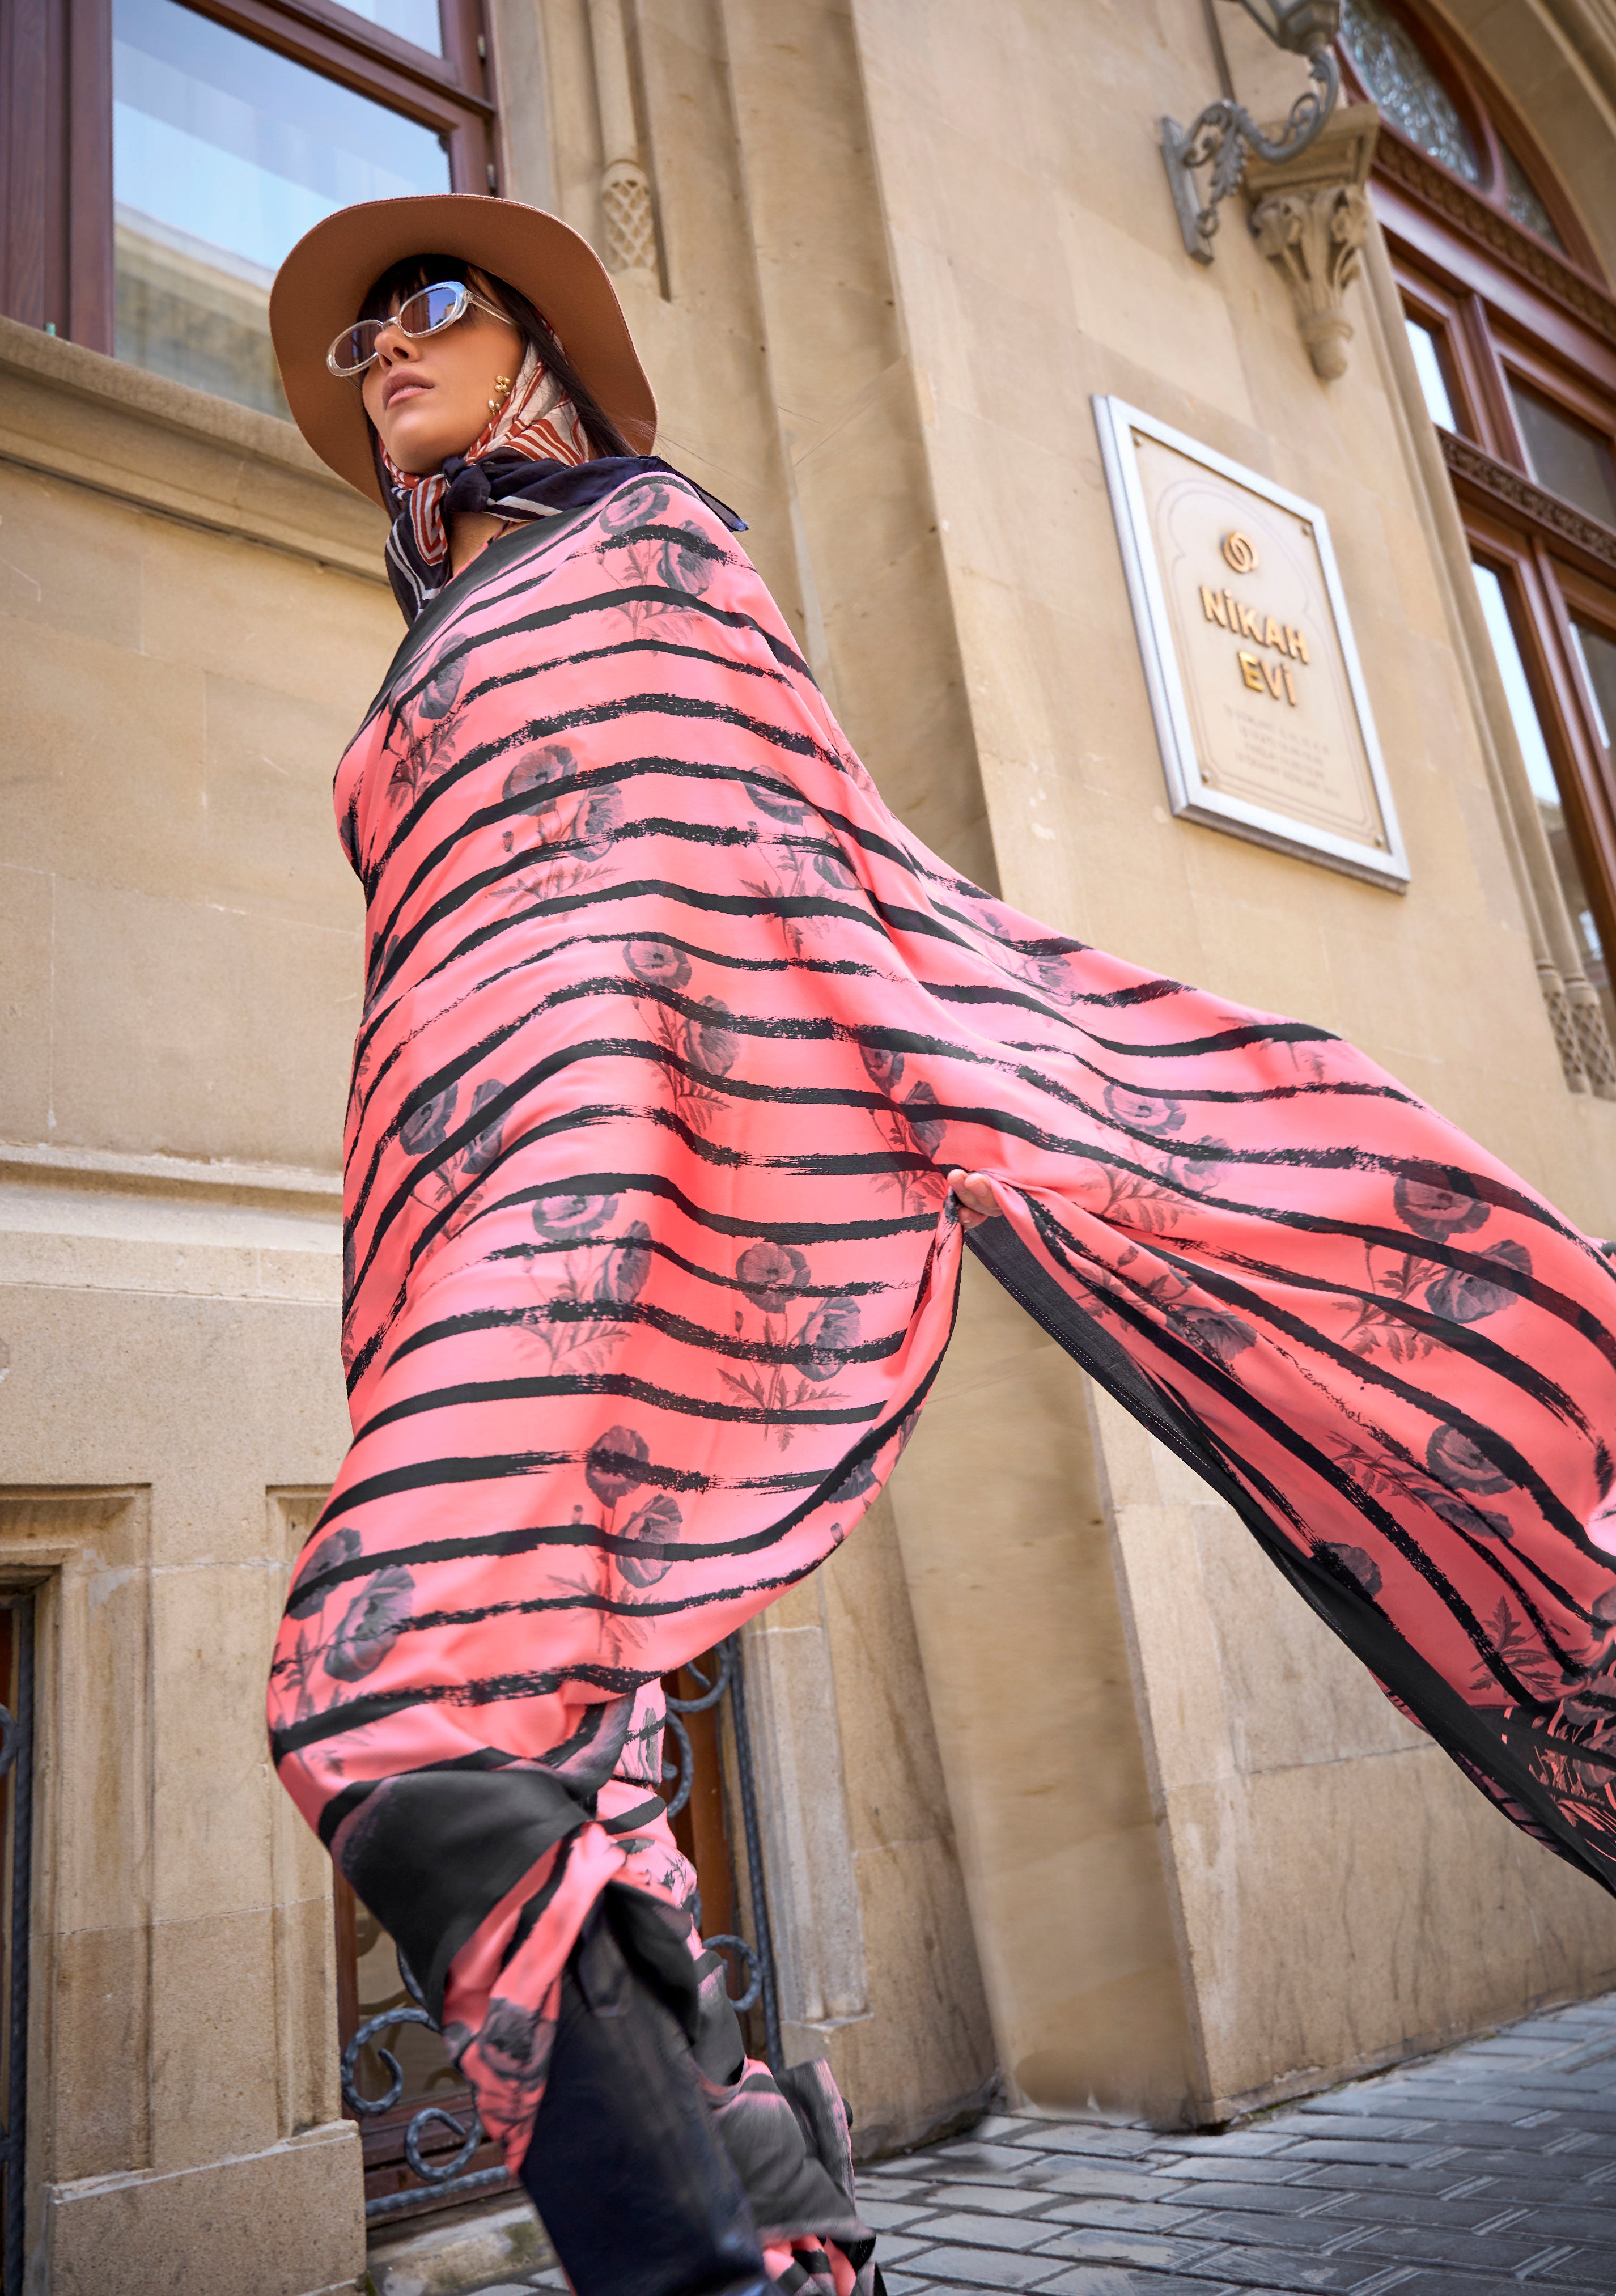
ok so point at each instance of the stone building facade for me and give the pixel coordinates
(1060, 1790)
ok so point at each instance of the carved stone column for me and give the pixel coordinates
(630, 215)
(1309, 216)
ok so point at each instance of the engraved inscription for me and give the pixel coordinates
(1270, 704)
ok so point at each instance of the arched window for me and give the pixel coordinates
(1513, 327)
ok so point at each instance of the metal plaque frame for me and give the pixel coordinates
(1192, 796)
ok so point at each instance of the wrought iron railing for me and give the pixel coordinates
(444, 2175)
(17, 1763)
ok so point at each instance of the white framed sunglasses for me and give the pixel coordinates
(428, 312)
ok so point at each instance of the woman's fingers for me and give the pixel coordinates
(975, 1196)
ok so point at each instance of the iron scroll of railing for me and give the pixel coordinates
(447, 2176)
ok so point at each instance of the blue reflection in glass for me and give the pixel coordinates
(223, 155)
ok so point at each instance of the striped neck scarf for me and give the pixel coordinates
(536, 424)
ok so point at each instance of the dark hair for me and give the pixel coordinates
(417, 271)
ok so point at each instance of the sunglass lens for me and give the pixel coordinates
(355, 346)
(433, 307)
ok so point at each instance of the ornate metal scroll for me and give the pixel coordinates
(447, 2174)
(1221, 136)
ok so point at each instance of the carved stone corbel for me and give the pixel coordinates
(1309, 216)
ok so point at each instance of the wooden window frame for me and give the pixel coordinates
(1499, 302)
(56, 129)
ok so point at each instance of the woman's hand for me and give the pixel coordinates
(975, 1197)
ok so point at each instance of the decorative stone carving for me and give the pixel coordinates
(631, 227)
(1522, 249)
(628, 209)
(1309, 216)
(1487, 476)
(1315, 237)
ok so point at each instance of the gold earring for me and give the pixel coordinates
(502, 384)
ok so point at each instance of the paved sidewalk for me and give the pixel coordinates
(1491, 2166)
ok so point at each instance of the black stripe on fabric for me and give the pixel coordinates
(821, 1490)
(668, 1399)
(539, 540)
(706, 1338)
(1457, 1727)
(536, 1908)
(433, 1853)
(343, 1805)
(1287, 1439)
(1497, 1557)
(645, 1813)
(351, 1714)
(607, 604)
(623, 709)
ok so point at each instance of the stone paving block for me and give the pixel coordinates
(1070, 2283)
(1247, 2141)
(1313, 2234)
(893, 2247)
(1099, 2280)
(980, 2268)
(1094, 2244)
(1230, 2169)
(1270, 2272)
(1367, 2129)
(1465, 2284)
(1374, 2153)
(1592, 2227)
(1586, 2272)
(986, 2232)
(886, 2216)
(1456, 2177)
(1280, 2199)
(967, 2158)
(1088, 2180)
(1102, 2139)
(997, 2199)
(1480, 2252)
(1124, 2216)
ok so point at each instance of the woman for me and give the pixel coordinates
(676, 1053)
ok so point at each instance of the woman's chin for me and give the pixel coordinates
(418, 450)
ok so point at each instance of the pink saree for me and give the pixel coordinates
(672, 1033)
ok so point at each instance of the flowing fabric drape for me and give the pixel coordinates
(672, 1033)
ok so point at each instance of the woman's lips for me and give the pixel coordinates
(404, 387)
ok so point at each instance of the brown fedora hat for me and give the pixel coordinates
(319, 288)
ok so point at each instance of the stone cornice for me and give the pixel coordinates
(1522, 250)
(1515, 491)
(73, 414)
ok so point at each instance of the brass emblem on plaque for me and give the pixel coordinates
(1259, 701)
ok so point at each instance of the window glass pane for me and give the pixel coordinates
(416, 21)
(224, 154)
(1597, 654)
(1433, 382)
(1393, 68)
(1545, 787)
(1521, 199)
(1566, 456)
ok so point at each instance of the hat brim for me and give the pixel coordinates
(319, 288)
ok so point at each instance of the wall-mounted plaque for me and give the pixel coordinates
(1254, 680)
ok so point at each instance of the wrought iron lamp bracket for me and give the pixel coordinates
(1222, 136)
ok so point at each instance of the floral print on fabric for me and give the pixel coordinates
(671, 1035)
